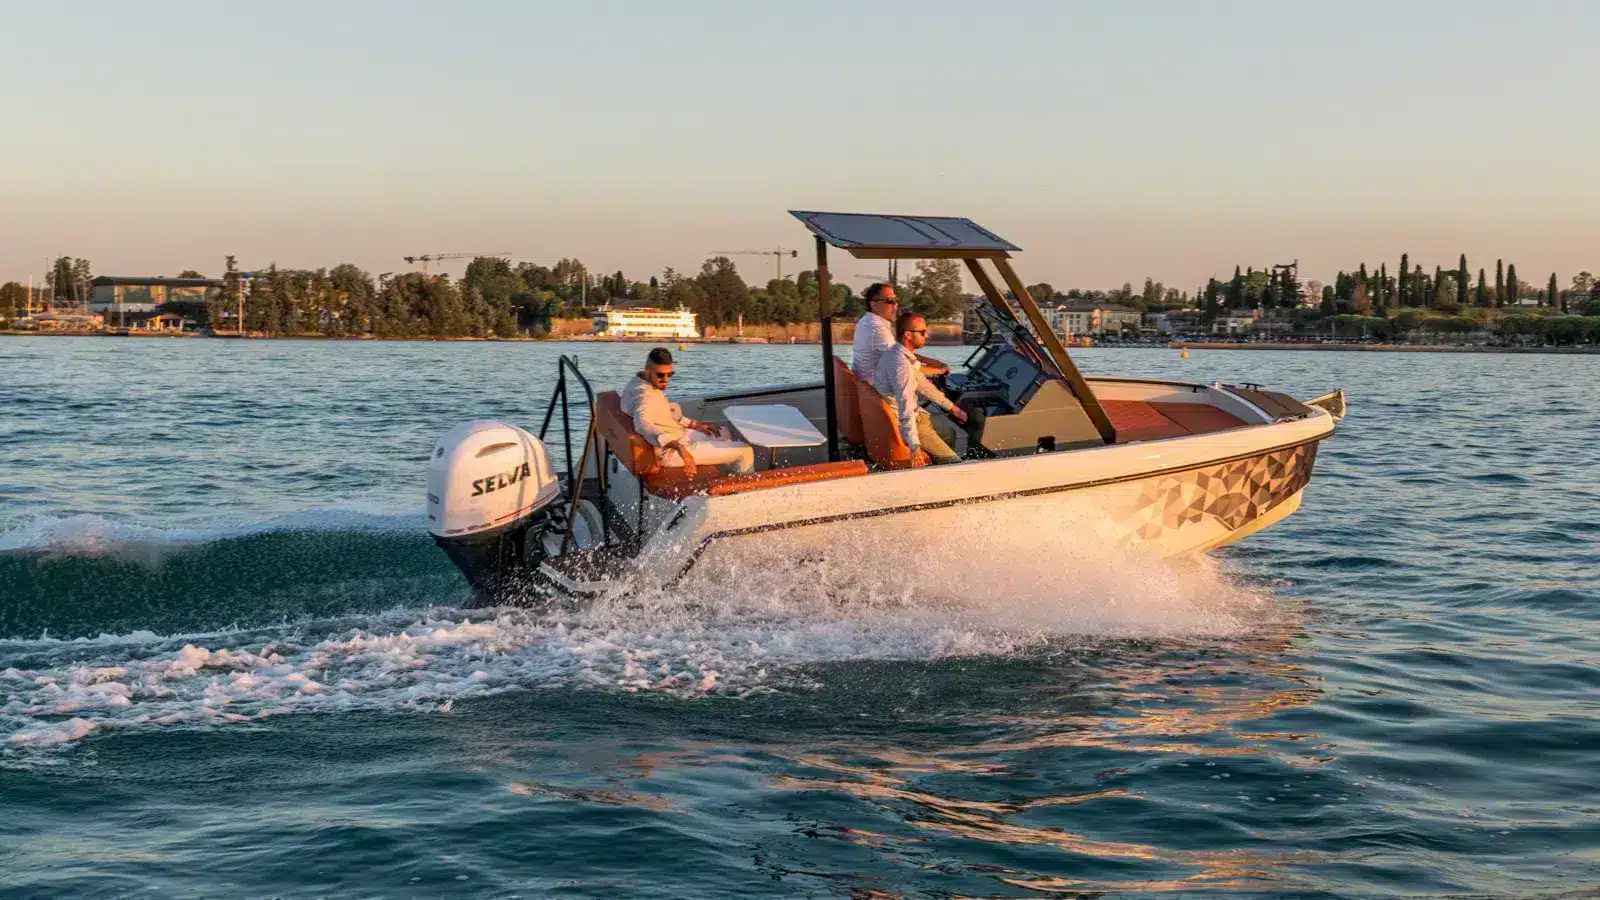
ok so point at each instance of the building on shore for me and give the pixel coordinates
(1074, 318)
(646, 323)
(118, 297)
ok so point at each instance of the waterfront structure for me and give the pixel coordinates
(646, 323)
(60, 320)
(1092, 318)
(114, 296)
(1237, 321)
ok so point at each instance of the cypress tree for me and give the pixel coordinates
(1383, 286)
(1511, 285)
(1554, 291)
(1463, 280)
(1499, 282)
(1483, 290)
(1405, 270)
(1438, 285)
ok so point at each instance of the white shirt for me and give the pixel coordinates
(874, 338)
(896, 380)
(658, 420)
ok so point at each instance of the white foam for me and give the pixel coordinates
(90, 534)
(758, 623)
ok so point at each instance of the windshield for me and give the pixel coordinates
(1005, 329)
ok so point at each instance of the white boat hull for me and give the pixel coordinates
(1163, 498)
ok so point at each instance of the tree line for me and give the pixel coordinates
(494, 298)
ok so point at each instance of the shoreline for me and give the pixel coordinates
(1377, 348)
(758, 342)
(230, 336)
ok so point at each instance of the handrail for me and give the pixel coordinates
(591, 438)
(563, 363)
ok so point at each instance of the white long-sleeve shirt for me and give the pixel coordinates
(874, 339)
(658, 420)
(896, 380)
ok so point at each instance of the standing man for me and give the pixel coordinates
(677, 438)
(896, 380)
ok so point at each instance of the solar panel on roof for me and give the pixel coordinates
(863, 231)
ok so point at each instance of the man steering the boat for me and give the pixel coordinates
(876, 340)
(897, 379)
(678, 440)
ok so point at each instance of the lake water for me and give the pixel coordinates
(231, 662)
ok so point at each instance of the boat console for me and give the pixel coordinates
(1025, 405)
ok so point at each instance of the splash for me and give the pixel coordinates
(756, 619)
(92, 535)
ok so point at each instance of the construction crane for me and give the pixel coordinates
(436, 257)
(777, 253)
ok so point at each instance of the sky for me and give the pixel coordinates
(1111, 141)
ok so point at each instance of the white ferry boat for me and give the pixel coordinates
(646, 323)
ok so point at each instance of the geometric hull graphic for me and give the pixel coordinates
(1161, 515)
(1230, 494)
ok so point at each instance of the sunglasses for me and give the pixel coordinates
(661, 376)
(916, 331)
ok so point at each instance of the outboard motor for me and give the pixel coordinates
(490, 486)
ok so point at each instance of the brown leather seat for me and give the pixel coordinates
(1136, 420)
(616, 427)
(1198, 418)
(673, 483)
(847, 403)
(880, 430)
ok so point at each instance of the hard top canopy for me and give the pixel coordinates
(870, 236)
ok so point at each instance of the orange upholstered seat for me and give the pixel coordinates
(738, 484)
(1136, 420)
(1198, 418)
(880, 431)
(847, 403)
(673, 483)
(616, 428)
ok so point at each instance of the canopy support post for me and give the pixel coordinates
(825, 317)
(1058, 353)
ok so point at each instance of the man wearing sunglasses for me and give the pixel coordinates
(678, 440)
(896, 381)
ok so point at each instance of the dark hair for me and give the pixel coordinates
(660, 356)
(874, 291)
(902, 323)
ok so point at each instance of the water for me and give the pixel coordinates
(231, 662)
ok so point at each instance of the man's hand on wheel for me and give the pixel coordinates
(959, 414)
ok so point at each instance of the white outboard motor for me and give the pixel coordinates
(489, 485)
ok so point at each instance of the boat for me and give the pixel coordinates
(1149, 466)
(647, 322)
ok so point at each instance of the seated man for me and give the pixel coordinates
(677, 439)
(874, 336)
(897, 380)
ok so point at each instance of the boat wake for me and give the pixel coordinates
(773, 621)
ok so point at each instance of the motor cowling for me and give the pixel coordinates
(487, 476)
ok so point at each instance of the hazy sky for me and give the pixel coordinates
(1111, 140)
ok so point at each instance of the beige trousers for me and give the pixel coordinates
(935, 444)
(735, 457)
